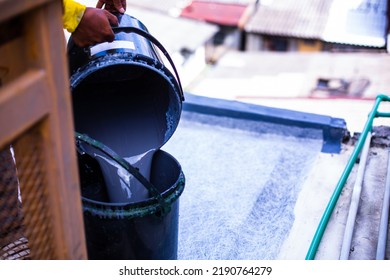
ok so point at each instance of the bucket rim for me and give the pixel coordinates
(158, 202)
(124, 58)
(143, 208)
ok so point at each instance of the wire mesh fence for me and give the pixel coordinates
(25, 224)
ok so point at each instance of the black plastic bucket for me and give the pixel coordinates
(144, 230)
(126, 99)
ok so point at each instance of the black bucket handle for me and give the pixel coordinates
(164, 206)
(148, 36)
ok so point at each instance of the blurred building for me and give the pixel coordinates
(318, 25)
(283, 25)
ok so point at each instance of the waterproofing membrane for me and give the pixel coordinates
(241, 186)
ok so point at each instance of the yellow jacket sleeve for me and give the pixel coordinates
(73, 12)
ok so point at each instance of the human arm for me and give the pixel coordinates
(72, 14)
(88, 26)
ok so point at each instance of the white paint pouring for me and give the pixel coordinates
(122, 187)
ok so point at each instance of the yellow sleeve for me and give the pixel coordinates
(73, 12)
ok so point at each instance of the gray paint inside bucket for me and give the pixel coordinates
(126, 107)
(241, 187)
(132, 115)
(122, 186)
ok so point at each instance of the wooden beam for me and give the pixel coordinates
(9, 9)
(23, 102)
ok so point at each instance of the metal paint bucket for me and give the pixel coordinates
(122, 90)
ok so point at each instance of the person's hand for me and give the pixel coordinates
(95, 27)
(112, 6)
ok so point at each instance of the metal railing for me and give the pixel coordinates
(344, 176)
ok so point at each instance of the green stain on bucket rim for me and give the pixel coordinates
(158, 204)
(145, 208)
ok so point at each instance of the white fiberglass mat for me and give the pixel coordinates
(241, 186)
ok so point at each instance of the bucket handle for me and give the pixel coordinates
(164, 207)
(146, 35)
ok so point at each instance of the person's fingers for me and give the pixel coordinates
(112, 5)
(124, 4)
(120, 5)
(95, 27)
(113, 20)
(100, 4)
(110, 37)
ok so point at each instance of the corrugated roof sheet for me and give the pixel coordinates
(299, 18)
(356, 22)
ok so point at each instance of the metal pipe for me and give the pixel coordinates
(383, 226)
(344, 176)
(353, 209)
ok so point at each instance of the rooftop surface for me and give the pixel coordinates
(240, 190)
(257, 190)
